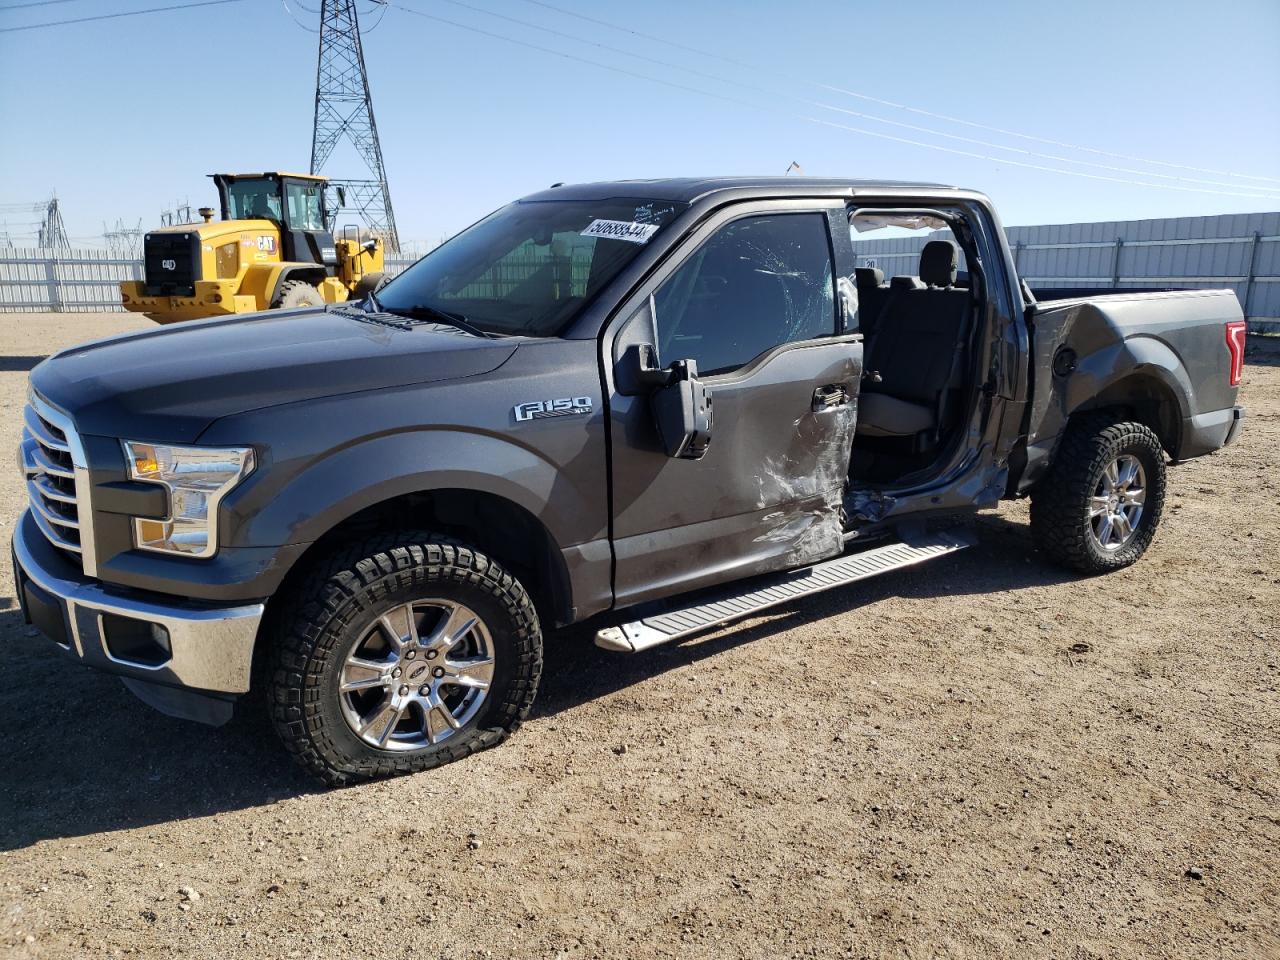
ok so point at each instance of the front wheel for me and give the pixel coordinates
(1099, 506)
(297, 293)
(401, 655)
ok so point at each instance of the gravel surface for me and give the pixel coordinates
(982, 756)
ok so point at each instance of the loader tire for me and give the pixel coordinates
(297, 293)
(369, 283)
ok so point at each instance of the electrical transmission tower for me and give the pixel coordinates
(344, 108)
(124, 242)
(178, 215)
(53, 232)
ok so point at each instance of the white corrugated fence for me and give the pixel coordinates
(1239, 251)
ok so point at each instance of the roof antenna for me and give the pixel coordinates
(796, 167)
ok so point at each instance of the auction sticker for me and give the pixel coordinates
(621, 230)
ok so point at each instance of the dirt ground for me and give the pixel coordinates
(914, 766)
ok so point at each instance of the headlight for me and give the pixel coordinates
(197, 479)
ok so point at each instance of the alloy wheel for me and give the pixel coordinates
(418, 675)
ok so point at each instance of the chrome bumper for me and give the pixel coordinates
(209, 648)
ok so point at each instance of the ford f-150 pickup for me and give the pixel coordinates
(657, 406)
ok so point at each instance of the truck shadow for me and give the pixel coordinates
(12, 364)
(575, 670)
(81, 756)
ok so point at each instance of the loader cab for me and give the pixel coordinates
(294, 202)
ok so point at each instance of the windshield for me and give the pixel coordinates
(256, 199)
(531, 266)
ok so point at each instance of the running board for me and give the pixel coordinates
(674, 622)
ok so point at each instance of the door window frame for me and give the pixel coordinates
(620, 332)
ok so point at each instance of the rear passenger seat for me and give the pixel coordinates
(914, 348)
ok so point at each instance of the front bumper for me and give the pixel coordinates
(209, 649)
(213, 298)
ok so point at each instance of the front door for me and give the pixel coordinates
(752, 297)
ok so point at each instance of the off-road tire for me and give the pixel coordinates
(321, 618)
(369, 283)
(297, 293)
(1060, 522)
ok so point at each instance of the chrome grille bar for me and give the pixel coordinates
(44, 432)
(57, 476)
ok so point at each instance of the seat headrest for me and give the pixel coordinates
(865, 277)
(938, 263)
(906, 283)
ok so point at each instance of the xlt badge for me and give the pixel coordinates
(540, 409)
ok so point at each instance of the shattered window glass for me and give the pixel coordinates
(756, 284)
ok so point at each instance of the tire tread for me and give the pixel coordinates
(312, 622)
(1059, 501)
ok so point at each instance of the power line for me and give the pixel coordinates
(829, 123)
(113, 16)
(1111, 168)
(35, 3)
(893, 104)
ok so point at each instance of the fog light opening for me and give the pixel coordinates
(136, 641)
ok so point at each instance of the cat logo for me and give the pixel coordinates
(267, 244)
(169, 264)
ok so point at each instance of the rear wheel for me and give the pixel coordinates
(369, 283)
(1100, 504)
(297, 293)
(401, 655)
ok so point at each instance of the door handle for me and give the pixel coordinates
(830, 397)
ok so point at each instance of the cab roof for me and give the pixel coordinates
(689, 189)
(270, 173)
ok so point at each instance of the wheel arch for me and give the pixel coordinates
(496, 525)
(1148, 396)
(311, 273)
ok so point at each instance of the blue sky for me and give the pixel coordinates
(123, 117)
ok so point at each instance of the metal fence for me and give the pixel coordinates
(79, 281)
(1237, 251)
(35, 280)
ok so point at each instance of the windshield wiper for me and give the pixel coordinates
(424, 311)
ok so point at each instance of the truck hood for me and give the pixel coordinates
(170, 383)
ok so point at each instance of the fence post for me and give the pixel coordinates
(52, 280)
(1253, 271)
(1115, 264)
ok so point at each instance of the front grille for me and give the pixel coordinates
(50, 468)
(171, 264)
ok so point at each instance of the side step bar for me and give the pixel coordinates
(681, 620)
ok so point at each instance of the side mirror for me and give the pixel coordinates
(342, 195)
(682, 411)
(679, 401)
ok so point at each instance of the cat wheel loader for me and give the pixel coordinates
(270, 249)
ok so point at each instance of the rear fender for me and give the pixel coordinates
(1082, 361)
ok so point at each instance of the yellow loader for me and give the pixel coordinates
(270, 249)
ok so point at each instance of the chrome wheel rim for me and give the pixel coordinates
(1115, 510)
(418, 675)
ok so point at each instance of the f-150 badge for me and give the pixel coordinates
(541, 409)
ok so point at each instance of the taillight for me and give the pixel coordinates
(1235, 346)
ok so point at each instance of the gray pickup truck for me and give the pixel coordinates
(657, 406)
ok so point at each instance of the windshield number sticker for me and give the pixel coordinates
(541, 409)
(621, 230)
